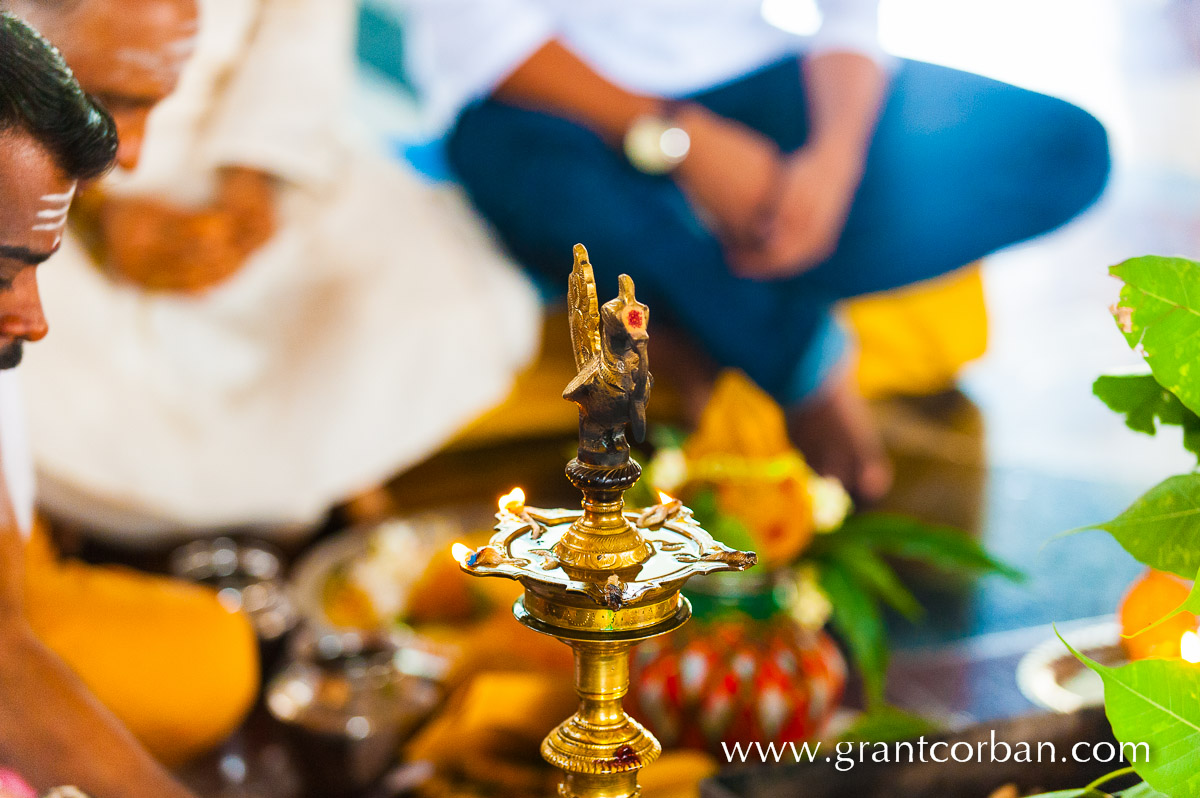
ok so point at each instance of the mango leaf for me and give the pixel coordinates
(1157, 702)
(887, 724)
(900, 536)
(1159, 311)
(1162, 528)
(666, 436)
(859, 622)
(722, 527)
(1144, 402)
(877, 577)
(1142, 790)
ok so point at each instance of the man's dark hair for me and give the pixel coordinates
(40, 96)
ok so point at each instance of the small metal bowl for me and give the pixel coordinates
(248, 577)
(346, 703)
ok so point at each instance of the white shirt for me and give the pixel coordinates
(16, 457)
(459, 50)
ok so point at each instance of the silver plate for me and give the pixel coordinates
(436, 528)
(1052, 678)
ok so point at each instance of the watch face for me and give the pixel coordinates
(655, 146)
(675, 144)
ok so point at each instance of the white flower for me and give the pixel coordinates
(394, 561)
(668, 470)
(831, 503)
(807, 603)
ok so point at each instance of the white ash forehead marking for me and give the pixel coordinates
(56, 215)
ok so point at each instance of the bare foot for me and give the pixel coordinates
(835, 432)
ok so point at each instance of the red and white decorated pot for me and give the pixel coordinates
(742, 671)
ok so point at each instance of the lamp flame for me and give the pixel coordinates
(460, 553)
(1189, 646)
(513, 501)
(654, 517)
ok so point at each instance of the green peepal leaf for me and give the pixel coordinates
(1157, 702)
(1162, 528)
(1159, 311)
(1141, 790)
(1145, 404)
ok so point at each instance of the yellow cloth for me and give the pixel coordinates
(164, 656)
(914, 341)
(491, 731)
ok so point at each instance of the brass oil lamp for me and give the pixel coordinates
(601, 579)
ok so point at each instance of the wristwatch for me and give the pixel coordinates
(655, 145)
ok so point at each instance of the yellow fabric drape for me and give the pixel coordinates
(164, 656)
(915, 340)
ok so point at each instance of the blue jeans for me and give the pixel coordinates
(960, 167)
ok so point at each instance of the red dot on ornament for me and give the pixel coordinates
(635, 318)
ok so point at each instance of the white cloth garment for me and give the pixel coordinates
(376, 323)
(459, 50)
(15, 455)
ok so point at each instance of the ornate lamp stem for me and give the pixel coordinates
(581, 745)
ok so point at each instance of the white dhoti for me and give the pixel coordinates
(376, 323)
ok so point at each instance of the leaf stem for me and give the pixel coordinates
(1103, 779)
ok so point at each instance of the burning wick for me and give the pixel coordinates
(654, 517)
(1189, 647)
(514, 502)
(486, 557)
